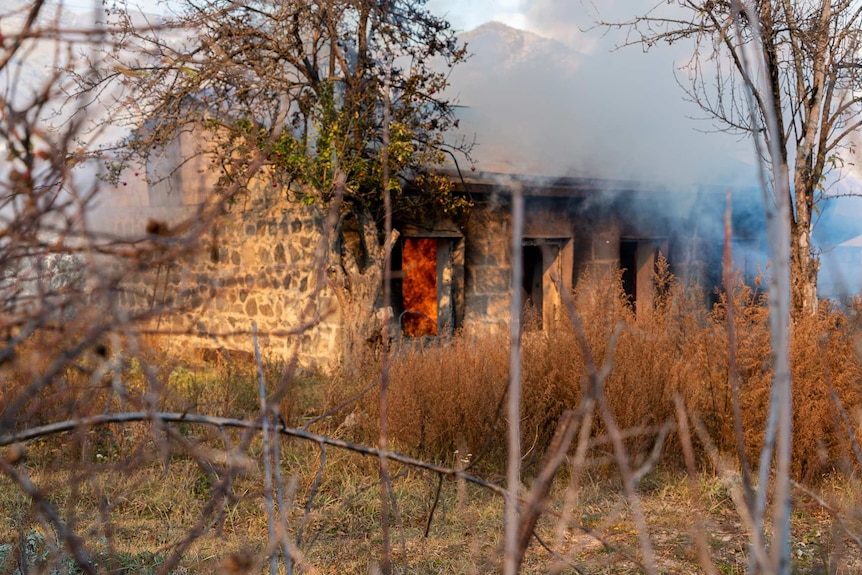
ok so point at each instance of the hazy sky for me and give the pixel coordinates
(468, 15)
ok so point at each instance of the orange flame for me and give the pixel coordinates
(420, 286)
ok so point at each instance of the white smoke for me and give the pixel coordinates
(566, 100)
(537, 105)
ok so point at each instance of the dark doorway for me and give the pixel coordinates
(532, 289)
(628, 264)
(637, 260)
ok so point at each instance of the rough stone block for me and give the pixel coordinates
(295, 254)
(488, 279)
(477, 304)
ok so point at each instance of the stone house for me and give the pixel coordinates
(262, 262)
(570, 225)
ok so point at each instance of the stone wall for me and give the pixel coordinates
(261, 262)
(487, 270)
(258, 264)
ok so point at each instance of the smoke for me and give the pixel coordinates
(468, 15)
(569, 22)
(537, 105)
(559, 97)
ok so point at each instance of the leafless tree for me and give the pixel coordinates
(812, 62)
(785, 73)
(293, 91)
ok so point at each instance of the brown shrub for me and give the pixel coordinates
(443, 398)
(44, 382)
(825, 368)
(446, 397)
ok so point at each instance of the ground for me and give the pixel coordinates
(137, 513)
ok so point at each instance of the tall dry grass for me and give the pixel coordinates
(446, 400)
(29, 398)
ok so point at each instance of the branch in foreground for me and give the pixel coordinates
(162, 417)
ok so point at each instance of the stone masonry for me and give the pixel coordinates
(259, 264)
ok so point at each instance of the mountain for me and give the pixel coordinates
(513, 48)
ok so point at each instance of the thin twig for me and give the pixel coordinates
(433, 506)
(836, 515)
(74, 543)
(342, 405)
(732, 367)
(315, 486)
(385, 483)
(778, 216)
(568, 562)
(537, 499)
(699, 530)
(267, 453)
(513, 466)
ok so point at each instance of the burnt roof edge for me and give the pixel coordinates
(574, 186)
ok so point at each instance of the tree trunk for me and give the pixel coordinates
(808, 167)
(357, 279)
(803, 268)
(357, 313)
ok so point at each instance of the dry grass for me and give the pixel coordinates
(134, 492)
(446, 399)
(154, 505)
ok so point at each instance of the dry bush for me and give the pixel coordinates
(826, 375)
(446, 398)
(78, 390)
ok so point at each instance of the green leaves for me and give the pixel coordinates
(301, 88)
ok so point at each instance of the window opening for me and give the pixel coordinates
(541, 282)
(637, 261)
(419, 287)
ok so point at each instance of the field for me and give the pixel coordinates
(136, 512)
(653, 484)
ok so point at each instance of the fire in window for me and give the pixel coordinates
(426, 271)
(419, 291)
